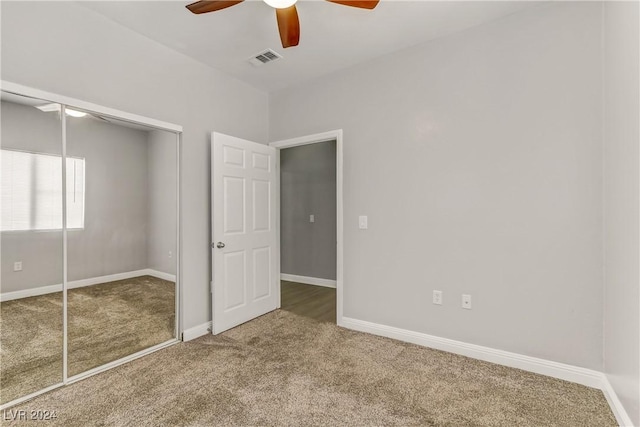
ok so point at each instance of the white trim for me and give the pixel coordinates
(278, 232)
(178, 276)
(334, 135)
(317, 281)
(107, 366)
(308, 139)
(339, 226)
(575, 374)
(562, 371)
(29, 397)
(65, 247)
(159, 274)
(622, 417)
(83, 105)
(42, 290)
(120, 276)
(197, 331)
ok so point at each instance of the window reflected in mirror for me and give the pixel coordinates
(31, 307)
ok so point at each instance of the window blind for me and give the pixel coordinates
(32, 194)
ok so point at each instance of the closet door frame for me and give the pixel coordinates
(65, 102)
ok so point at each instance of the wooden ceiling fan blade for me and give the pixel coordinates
(362, 4)
(289, 26)
(205, 6)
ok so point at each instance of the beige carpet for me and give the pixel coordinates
(285, 370)
(106, 322)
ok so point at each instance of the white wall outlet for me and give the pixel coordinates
(437, 297)
(466, 301)
(17, 266)
(170, 254)
(363, 222)
(312, 218)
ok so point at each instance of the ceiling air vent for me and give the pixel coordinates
(264, 57)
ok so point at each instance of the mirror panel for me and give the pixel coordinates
(122, 245)
(31, 307)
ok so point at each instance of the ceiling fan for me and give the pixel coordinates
(286, 14)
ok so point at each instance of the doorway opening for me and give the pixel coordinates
(310, 225)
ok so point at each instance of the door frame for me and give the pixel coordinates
(333, 135)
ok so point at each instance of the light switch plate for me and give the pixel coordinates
(437, 297)
(363, 222)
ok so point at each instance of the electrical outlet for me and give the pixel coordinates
(17, 266)
(363, 222)
(437, 297)
(312, 218)
(466, 301)
(170, 254)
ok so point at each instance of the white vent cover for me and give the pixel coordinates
(264, 57)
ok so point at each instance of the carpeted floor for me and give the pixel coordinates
(106, 322)
(286, 370)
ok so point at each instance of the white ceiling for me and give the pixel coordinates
(332, 36)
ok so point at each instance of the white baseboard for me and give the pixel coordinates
(570, 373)
(308, 280)
(197, 331)
(159, 274)
(623, 418)
(575, 374)
(8, 296)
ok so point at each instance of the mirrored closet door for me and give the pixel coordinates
(121, 239)
(90, 253)
(31, 307)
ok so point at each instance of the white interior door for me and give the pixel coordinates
(246, 265)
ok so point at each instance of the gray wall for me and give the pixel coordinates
(26, 128)
(308, 186)
(478, 159)
(162, 227)
(621, 203)
(114, 239)
(116, 67)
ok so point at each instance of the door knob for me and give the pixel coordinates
(220, 245)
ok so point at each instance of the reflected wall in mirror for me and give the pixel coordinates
(122, 255)
(31, 307)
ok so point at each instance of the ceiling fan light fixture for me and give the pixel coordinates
(56, 107)
(280, 4)
(74, 113)
(286, 14)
